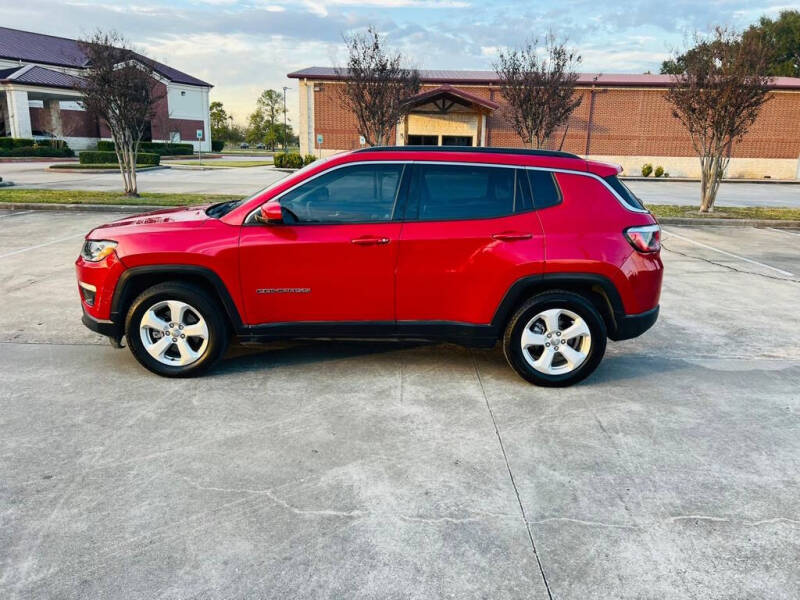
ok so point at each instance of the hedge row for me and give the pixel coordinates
(217, 145)
(292, 160)
(28, 147)
(36, 151)
(160, 148)
(97, 157)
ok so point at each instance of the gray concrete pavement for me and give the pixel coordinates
(330, 470)
(246, 181)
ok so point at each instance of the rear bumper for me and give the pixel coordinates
(631, 326)
(102, 326)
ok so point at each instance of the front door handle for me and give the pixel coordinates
(369, 240)
(510, 236)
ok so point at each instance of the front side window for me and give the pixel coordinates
(449, 192)
(354, 194)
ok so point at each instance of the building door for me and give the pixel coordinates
(456, 140)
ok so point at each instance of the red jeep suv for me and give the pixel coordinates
(546, 252)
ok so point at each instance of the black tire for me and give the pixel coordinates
(580, 305)
(200, 301)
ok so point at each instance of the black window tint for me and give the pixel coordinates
(347, 195)
(627, 195)
(523, 200)
(448, 192)
(545, 189)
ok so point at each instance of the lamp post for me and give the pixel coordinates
(284, 117)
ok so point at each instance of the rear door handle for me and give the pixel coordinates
(510, 236)
(369, 240)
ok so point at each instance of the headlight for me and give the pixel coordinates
(97, 250)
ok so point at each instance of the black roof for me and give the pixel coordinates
(28, 46)
(471, 149)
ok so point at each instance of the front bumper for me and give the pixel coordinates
(631, 326)
(102, 326)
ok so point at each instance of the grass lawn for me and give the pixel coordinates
(93, 197)
(726, 212)
(225, 164)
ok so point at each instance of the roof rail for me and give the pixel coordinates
(470, 149)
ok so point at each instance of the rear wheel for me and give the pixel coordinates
(555, 339)
(176, 330)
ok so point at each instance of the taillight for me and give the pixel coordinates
(644, 238)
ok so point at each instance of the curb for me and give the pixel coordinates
(121, 208)
(102, 171)
(697, 180)
(729, 222)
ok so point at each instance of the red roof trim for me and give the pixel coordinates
(490, 77)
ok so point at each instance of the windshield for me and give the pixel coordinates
(221, 209)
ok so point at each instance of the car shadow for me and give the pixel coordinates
(240, 358)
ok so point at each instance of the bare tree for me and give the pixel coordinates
(538, 83)
(717, 97)
(119, 88)
(376, 86)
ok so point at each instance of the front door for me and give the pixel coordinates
(333, 258)
(470, 233)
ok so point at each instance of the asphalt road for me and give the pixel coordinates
(246, 181)
(332, 470)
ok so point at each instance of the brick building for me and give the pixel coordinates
(624, 119)
(40, 88)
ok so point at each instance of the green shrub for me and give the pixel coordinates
(308, 159)
(293, 160)
(36, 152)
(160, 148)
(8, 143)
(647, 168)
(100, 157)
(666, 174)
(279, 159)
(217, 145)
(659, 171)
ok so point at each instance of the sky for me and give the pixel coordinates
(245, 46)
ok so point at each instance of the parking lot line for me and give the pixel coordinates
(731, 254)
(15, 213)
(794, 233)
(21, 250)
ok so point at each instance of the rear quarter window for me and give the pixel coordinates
(625, 193)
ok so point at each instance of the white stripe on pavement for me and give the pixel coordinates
(794, 233)
(745, 259)
(64, 239)
(15, 213)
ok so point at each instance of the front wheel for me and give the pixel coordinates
(176, 330)
(555, 339)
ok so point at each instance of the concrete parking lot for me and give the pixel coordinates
(345, 470)
(246, 181)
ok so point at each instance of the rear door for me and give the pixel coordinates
(469, 234)
(333, 257)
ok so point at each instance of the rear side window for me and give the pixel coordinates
(450, 192)
(627, 195)
(545, 188)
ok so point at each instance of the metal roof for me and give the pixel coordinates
(490, 77)
(64, 52)
(39, 76)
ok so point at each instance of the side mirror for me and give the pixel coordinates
(271, 213)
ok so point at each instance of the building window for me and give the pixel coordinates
(423, 140)
(174, 137)
(456, 140)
